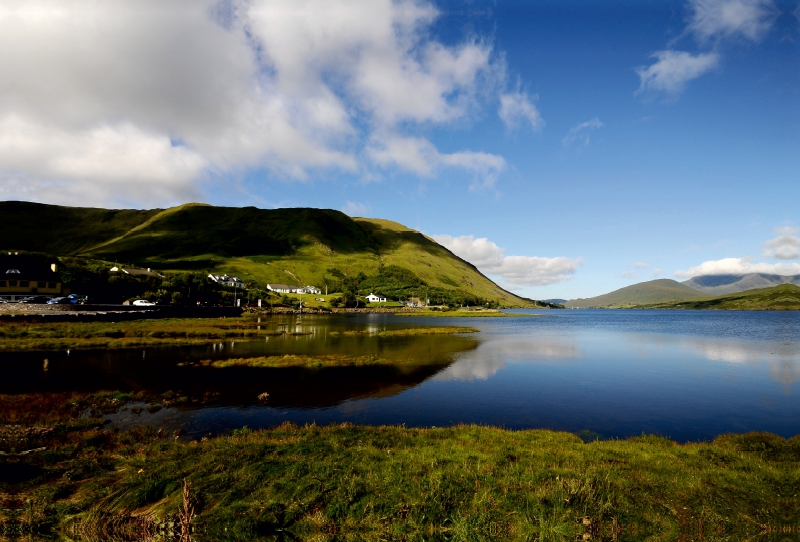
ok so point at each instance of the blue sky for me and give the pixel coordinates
(566, 148)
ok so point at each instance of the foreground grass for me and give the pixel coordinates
(345, 482)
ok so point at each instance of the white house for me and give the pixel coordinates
(227, 280)
(372, 298)
(281, 288)
(310, 290)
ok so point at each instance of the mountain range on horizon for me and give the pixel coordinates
(667, 290)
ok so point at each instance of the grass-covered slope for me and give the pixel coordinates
(781, 298)
(294, 246)
(654, 291)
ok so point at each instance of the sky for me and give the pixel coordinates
(566, 148)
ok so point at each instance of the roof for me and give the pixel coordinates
(281, 286)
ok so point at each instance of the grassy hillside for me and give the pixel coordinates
(293, 246)
(654, 291)
(782, 298)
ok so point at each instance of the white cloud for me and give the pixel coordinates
(94, 94)
(751, 19)
(518, 106)
(420, 156)
(738, 266)
(641, 265)
(673, 69)
(784, 247)
(656, 272)
(517, 270)
(580, 132)
(353, 208)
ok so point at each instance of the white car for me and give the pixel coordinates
(143, 303)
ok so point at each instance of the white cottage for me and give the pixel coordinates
(372, 298)
(227, 280)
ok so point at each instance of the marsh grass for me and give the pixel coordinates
(345, 482)
(289, 360)
(61, 335)
(174, 331)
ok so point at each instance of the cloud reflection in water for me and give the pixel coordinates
(492, 355)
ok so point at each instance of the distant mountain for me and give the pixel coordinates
(295, 246)
(654, 291)
(784, 297)
(730, 284)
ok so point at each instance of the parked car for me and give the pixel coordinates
(82, 299)
(63, 301)
(35, 299)
(143, 303)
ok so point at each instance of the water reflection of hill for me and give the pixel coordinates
(157, 371)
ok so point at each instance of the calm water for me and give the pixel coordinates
(686, 375)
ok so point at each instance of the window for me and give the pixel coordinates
(2, 284)
(51, 284)
(24, 284)
(12, 283)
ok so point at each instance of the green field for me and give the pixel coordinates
(785, 297)
(287, 246)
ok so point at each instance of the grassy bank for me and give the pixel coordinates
(347, 482)
(300, 361)
(61, 335)
(176, 331)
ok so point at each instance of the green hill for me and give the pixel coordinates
(654, 291)
(785, 297)
(294, 246)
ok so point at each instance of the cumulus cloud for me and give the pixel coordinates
(784, 247)
(97, 94)
(656, 272)
(673, 69)
(738, 266)
(580, 133)
(715, 19)
(517, 270)
(420, 156)
(518, 107)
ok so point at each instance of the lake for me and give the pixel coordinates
(687, 375)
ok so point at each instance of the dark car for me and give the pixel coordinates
(63, 301)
